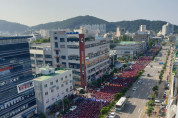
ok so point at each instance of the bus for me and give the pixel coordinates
(120, 104)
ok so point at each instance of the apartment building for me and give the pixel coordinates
(52, 86)
(130, 48)
(40, 55)
(88, 56)
(17, 98)
(167, 29)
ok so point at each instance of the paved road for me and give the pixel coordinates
(138, 99)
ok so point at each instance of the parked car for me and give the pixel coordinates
(73, 108)
(139, 82)
(112, 115)
(134, 88)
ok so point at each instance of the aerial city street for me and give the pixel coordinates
(88, 59)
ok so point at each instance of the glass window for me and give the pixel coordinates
(45, 85)
(46, 93)
(57, 52)
(63, 57)
(48, 56)
(61, 78)
(66, 83)
(65, 76)
(70, 75)
(57, 87)
(52, 90)
(62, 40)
(67, 90)
(62, 85)
(56, 44)
(57, 60)
(51, 83)
(55, 38)
(57, 81)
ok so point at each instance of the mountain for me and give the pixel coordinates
(12, 27)
(76, 22)
(71, 23)
(131, 26)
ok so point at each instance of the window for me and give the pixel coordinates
(62, 85)
(70, 75)
(56, 44)
(48, 56)
(57, 52)
(51, 83)
(67, 90)
(45, 85)
(62, 40)
(57, 87)
(55, 38)
(70, 87)
(39, 55)
(52, 90)
(62, 46)
(57, 81)
(46, 93)
(57, 60)
(65, 76)
(61, 78)
(66, 83)
(63, 57)
(70, 81)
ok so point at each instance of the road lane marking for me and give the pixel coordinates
(140, 114)
(139, 110)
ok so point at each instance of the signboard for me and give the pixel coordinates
(25, 86)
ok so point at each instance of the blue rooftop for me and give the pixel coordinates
(14, 37)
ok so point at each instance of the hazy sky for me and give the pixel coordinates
(33, 12)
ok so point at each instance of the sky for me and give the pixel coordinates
(33, 12)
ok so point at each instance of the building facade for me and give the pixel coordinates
(120, 31)
(17, 97)
(52, 86)
(88, 57)
(139, 36)
(130, 48)
(167, 29)
(40, 55)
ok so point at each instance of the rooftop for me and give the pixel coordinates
(14, 37)
(128, 42)
(45, 77)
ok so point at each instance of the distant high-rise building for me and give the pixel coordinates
(17, 98)
(167, 29)
(120, 31)
(94, 29)
(142, 28)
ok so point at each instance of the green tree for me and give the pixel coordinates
(42, 115)
(82, 91)
(149, 110)
(117, 96)
(150, 103)
(104, 110)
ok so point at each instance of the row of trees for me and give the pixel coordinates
(150, 103)
(42, 41)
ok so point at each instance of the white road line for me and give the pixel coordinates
(138, 110)
(140, 114)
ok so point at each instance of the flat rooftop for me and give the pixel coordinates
(14, 37)
(45, 77)
(128, 42)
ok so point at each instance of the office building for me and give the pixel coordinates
(142, 28)
(52, 86)
(17, 98)
(130, 48)
(88, 57)
(40, 55)
(167, 29)
(138, 37)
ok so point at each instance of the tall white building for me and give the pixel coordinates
(142, 28)
(120, 31)
(167, 29)
(52, 86)
(88, 57)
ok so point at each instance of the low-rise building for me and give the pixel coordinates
(130, 48)
(40, 55)
(52, 86)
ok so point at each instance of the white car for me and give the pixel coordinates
(73, 108)
(112, 115)
(134, 88)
